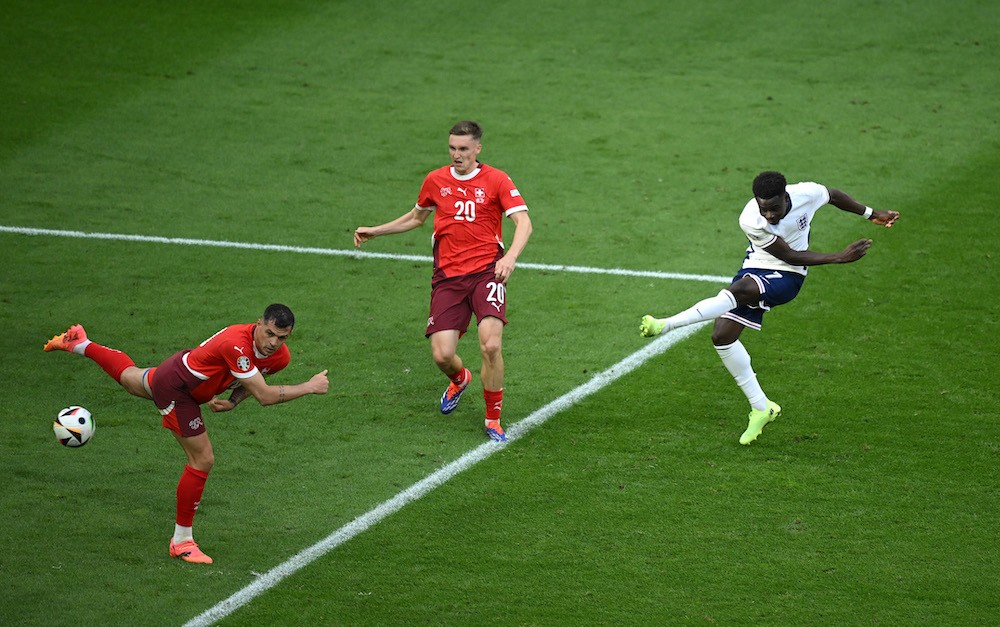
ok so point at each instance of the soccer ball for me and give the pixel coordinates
(74, 426)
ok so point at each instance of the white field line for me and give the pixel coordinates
(273, 577)
(515, 431)
(357, 254)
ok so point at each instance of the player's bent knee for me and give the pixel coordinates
(203, 460)
(443, 359)
(725, 332)
(490, 348)
(719, 339)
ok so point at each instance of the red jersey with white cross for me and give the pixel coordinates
(227, 356)
(468, 214)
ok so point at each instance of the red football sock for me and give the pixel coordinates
(189, 490)
(113, 362)
(494, 403)
(461, 376)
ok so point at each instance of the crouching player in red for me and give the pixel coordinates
(236, 357)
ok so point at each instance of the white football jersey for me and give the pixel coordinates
(806, 199)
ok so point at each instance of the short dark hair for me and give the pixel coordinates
(468, 127)
(769, 184)
(280, 315)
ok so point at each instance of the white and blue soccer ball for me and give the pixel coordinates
(74, 426)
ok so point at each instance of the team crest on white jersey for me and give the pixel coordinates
(803, 222)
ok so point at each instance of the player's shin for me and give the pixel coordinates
(737, 361)
(189, 491)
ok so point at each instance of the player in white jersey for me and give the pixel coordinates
(776, 221)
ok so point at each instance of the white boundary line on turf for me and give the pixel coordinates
(360, 524)
(357, 254)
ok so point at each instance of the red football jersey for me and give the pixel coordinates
(468, 213)
(227, 356)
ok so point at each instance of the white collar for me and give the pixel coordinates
(466, 177)
(257, 353)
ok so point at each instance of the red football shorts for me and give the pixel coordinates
(454, 300)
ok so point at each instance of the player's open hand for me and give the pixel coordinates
(885, 218)
(320, 383)
(856, 250)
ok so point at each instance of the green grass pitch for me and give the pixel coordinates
(633, 131)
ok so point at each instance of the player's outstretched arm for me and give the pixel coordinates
(406, 222)
(843, 201)
(784, 252)
(274, 394)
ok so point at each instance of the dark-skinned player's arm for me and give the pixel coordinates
(780, 249)
(841, 200)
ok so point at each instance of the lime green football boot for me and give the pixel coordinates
(758, 419)
(650, 326)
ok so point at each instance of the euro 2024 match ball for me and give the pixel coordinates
(74, 426)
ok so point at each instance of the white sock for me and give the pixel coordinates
(81, 347)
(182, 533)
(707, 309)
(737, 362)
